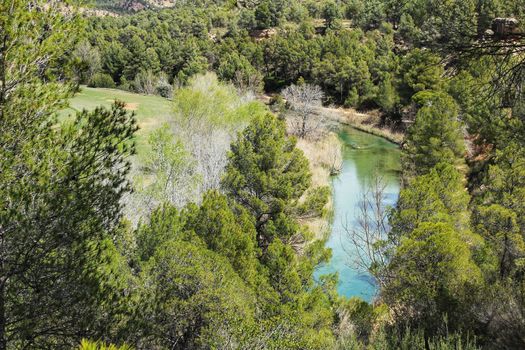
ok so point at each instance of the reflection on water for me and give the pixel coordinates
(364, 155)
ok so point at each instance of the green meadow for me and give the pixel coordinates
(151, 111)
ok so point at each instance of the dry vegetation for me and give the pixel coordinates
(367, 122)
(322, 154)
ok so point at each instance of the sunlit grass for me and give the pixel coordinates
(151, 111)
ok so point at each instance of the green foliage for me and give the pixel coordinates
(505, 183)
(235, 270)
(438, 196)
(227, 229)
(500, 229)
(266, 173)
(268, 13)
(89, 345)
(434, 275)
(420, 70)
(208, 101)
(360, 314)
(387, 96)
(331, 13)
(236, 68)
(315, 202)
(191, 297)
(435, 135)
(433, 268)
(200, 242)
(102, 80)
(61, 184)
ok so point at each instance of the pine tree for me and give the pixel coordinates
(60, 184)
(436, 134)
(267, 175)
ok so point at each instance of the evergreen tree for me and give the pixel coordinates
(499, 227)
(138, 57)
(190, 297)
(227, 229)
(331, 14)
(432, 271)
(267, 175)
(438, 196)
(420, 70)
(60, 184)
(436, 134)
(505, 181)
(433, 276)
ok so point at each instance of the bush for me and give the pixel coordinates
(125, 85)
(101, 80)
(353, 98)
(145, 82)
(164, 89)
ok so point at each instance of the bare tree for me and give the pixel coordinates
(248, 83)
(168, 173)
(368, 237)
(145, 82)
(303, 101)
(335, 157)
(211, 157)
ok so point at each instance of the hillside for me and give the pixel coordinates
(166, 206)
(133, 5)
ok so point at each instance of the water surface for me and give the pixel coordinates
(363, 156)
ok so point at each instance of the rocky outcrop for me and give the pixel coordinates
(505, 26)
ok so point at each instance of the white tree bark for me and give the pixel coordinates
(304, 100)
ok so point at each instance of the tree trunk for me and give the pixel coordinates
(3, 320)
(502, 267)
(303, 127)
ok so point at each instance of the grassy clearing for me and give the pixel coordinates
(151, 111)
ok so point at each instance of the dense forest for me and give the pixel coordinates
(194, 237)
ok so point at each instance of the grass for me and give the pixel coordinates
(368, 122)
(151, 111)
(321, 155)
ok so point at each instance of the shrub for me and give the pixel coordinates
(101, 80)
(90, 345)
(164, 88)
(145, 82)
(125, 85)
(353, 98)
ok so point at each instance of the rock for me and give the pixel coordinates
(262, 34)
(489, 32)
(504, 26)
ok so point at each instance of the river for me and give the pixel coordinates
(363, 156)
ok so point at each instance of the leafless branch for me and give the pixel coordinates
(367, 238)
(303, 101)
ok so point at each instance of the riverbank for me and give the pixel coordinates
(323, 154)
(337, 116)
(365, 157)
(366, 122)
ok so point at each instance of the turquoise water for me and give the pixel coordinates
(363, 156)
